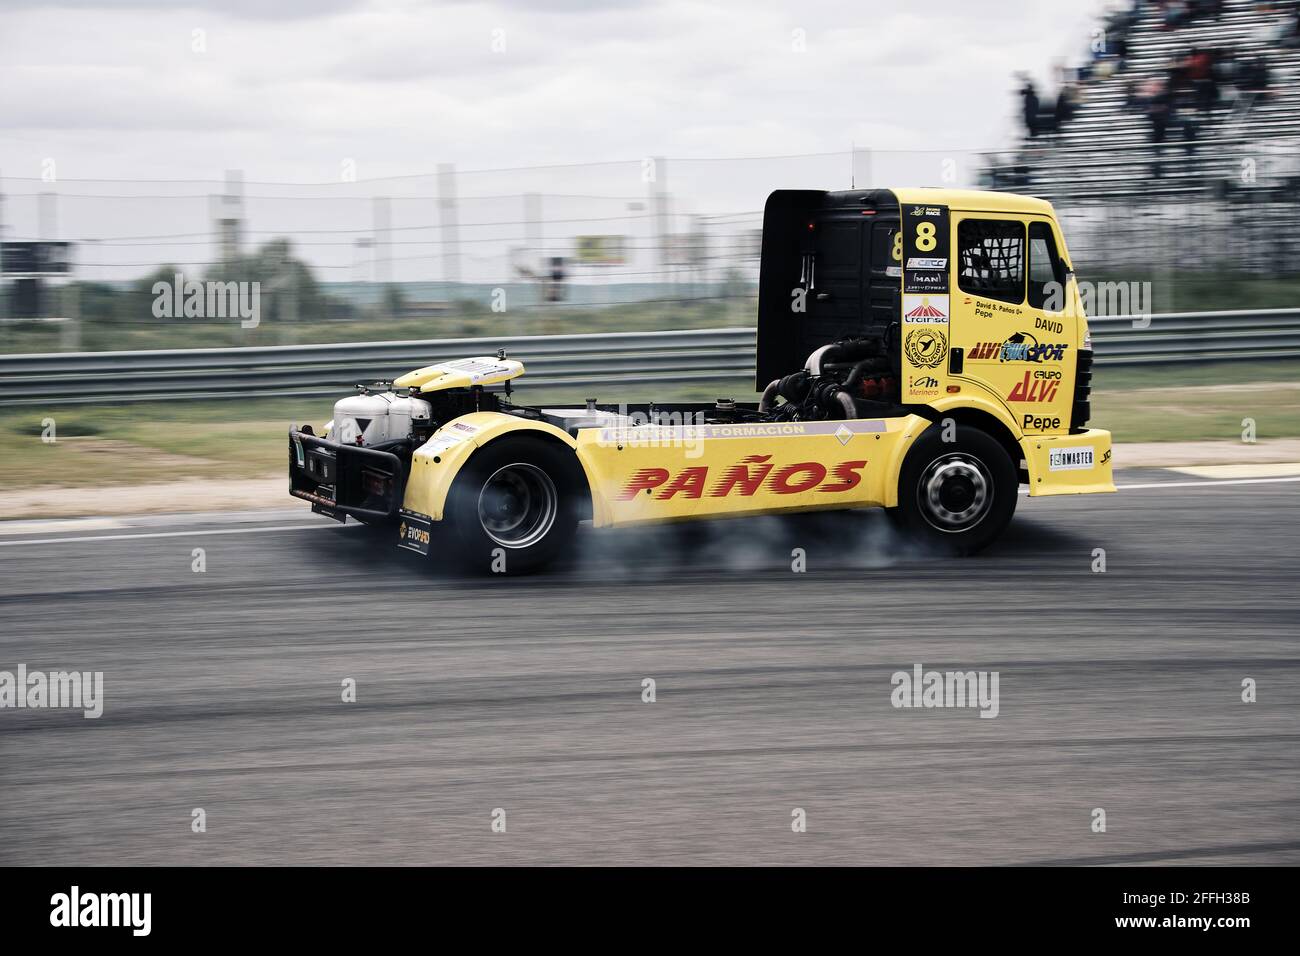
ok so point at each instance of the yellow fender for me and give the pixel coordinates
(911, 431)
(967, 400)
(436, 463)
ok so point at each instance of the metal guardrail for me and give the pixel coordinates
(578, 360)
(305, 370)
(1174, 337)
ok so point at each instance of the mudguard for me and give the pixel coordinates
(436, 463)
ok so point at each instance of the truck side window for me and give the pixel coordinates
(991, 259)
(1045, 267)
(885, 252)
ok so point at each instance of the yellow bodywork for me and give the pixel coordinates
(461, 373)
(436, 463)
(654, 473)
(647, 473)
(650, 473)
(1069, 464)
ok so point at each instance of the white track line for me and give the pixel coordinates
(1209, 483)
(174, 534)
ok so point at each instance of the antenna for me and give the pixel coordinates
(853, 150)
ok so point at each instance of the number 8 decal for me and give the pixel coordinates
(925, 240)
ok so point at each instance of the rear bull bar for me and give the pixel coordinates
(341, 480)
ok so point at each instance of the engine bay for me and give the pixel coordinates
(851, 378)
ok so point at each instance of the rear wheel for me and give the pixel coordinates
(957, 495)
(513, 508)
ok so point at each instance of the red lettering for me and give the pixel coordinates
(643, 480)
(1035, 391)
(1019, 391)
(847, 473)
(690, 481)
(782, 485)
(740, 476)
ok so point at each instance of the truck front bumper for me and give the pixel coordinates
(341, 480)
(1078, 464)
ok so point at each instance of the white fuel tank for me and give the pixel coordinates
(377, 417)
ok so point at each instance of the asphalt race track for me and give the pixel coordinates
(1118, 690)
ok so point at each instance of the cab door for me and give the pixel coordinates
(836, 309)
(1009, 324)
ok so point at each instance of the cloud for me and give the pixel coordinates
(289, 91)
(252, 9)
(577, 80)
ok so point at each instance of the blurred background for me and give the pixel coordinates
(391, 171)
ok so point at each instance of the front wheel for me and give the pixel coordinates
(513, 508)
(957, 495)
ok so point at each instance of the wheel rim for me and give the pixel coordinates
(517, 505)
(955, 492)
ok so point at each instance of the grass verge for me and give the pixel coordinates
(104, 446)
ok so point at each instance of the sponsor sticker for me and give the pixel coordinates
(1039, 386)
(1021, 347)
(414, 532)
(1071, 459)
(754, 475)
(922, 386)
(925, 347)
(447, 437)
(648, 434)
(925, 244)
(926, 309)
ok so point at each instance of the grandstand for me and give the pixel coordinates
(1154, 169)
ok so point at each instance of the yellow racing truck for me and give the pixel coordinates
(920, 350)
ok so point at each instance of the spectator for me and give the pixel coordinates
(1199, 70)
(1204, 9)
(1227, 68)
(1183, 99)
(1289, 35)
(1066, 104)
(1159, 105)
(1029, 107)
(1120, 47)
(1174, 14)
(1254, 76)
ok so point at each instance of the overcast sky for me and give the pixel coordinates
(292, 90)
(285, 89)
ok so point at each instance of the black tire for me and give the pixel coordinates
(514, 506)
(957, 496)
